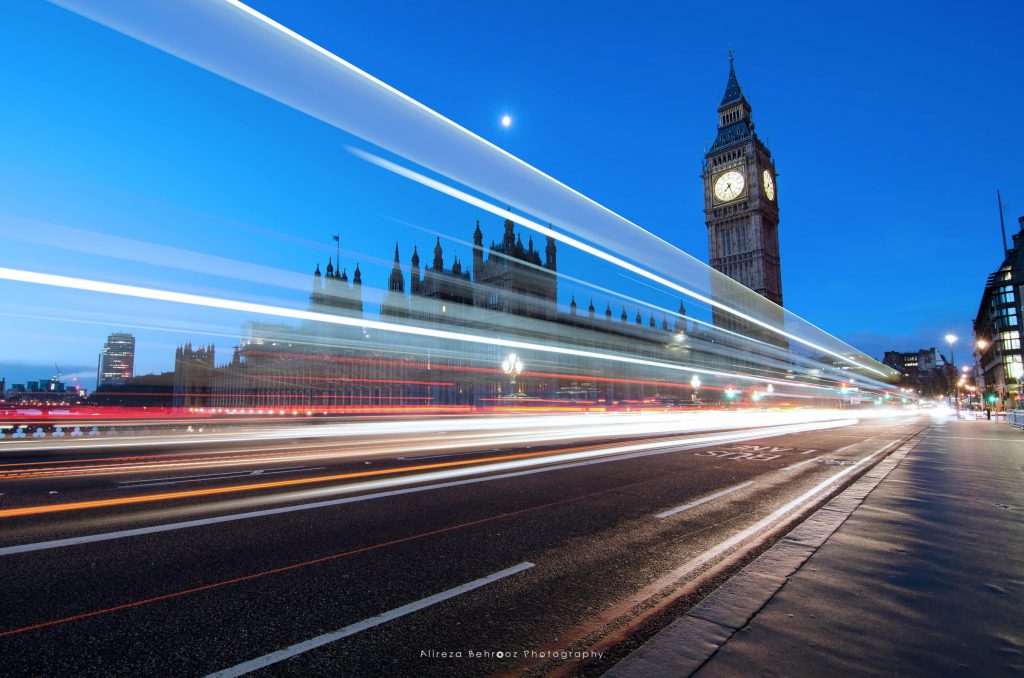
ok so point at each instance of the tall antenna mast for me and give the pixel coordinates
(1002, 226)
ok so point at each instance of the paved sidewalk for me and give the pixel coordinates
(924, 578)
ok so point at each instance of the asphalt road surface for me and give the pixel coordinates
(469, 556)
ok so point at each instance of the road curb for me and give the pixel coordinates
(681, 648)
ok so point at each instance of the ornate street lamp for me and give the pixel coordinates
(513, 367)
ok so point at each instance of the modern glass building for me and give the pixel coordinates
(997, 330)
(116, 363)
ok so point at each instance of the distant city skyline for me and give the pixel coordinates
(104, 133)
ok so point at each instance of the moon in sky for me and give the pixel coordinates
(506, 121)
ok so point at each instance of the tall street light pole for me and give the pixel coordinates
(951, 338)
(982, 345)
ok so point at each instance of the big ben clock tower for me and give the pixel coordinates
(741, 202)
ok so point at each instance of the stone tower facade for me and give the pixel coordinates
(741, 206)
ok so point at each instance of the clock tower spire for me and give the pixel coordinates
(740, 204)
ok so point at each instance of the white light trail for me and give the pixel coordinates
(429, 481)
(231, 39)
(590, 249)
(119, 289)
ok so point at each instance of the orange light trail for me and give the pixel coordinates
(205, 492)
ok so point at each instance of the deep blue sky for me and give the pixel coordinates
(891, 124)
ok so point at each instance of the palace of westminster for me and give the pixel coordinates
(510, 291)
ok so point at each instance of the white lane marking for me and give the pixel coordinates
(449, 454)
(799, 464)
(837, 451)
(352, 629)
(763, 524)
(223, 477)
(703, 500)
(673, 446)
(204, 476)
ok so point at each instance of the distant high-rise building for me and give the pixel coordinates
(116, 363)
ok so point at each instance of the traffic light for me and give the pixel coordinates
(992, 397)
(730, 393)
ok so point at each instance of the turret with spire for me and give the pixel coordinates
(478, 251)
(438, 257)
(396, 281)
(550, 262)
(395, 303)
(335, 294)
(508, 242)
(414, 272)
(734, 121)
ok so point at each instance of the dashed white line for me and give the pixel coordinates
(704, 500)
(799, 464)
(448, 454)
(232, 476)
(208, 476)
(321, 640)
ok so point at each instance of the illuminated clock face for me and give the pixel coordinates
(769, 185)
(729, 186)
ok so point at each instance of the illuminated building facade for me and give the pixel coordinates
(511, 292)
(998, 327)
(116, 363)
